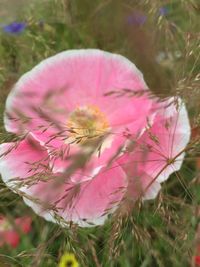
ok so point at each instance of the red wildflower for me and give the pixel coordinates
(10, 233)
(197, 260)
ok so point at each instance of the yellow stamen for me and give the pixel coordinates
(86, 123)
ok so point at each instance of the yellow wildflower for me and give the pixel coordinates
(68, 260)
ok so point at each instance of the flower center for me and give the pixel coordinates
(69, 263)
(86, 123)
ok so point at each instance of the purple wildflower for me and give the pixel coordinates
(163, 11)
(136, 19)
(14, 27)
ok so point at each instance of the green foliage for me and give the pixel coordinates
(157, 233)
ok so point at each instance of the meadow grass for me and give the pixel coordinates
(161, 232)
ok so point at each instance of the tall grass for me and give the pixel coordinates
(162, 232)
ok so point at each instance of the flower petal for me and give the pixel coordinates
(58, 193)
(140, 184)
(159, 151)
(67, 201)
(11, 237)
(24, 223)
(22, 160)
(167, 139)
(44, 97)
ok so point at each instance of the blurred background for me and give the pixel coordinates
(162, 38)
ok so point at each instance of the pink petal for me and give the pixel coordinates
(105, 191)
(22, 160)
(171, 129)
(140, 184)
(11, 237)
(58, 85)
(24, 223)
(51, 196)
(148, 162)
(73, 201)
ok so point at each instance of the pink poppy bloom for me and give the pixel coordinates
(159, 151)
(10, 234)
(77, 127)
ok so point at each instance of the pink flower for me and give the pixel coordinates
(24, 223)
(10, 234)
(159, 151)
(78, 124)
